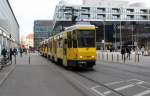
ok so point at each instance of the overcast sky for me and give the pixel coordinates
(27, 11)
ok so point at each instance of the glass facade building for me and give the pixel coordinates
(116, 26)
(9, 27)
(42, 29)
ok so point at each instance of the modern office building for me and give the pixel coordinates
(9, 27)
(42, 29)
(116, 26)
(106, 3)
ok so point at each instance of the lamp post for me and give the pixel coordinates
(132, 37)
(120, 36)
(104, 33)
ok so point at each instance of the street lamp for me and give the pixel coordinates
(104, 34)
(120, 36)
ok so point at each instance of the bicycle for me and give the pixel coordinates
(4, 62)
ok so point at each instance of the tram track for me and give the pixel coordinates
(78, 86)
(64, 73)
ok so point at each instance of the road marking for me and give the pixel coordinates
(124, 87)
(139, 83)
(107, 92)
(143, 93)
(98, 92)
(112, 83)
(117, 82)
(133, 83)
(119, 89)
(94, 87)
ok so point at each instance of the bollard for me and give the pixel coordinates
(29, 59)
(135, 58)
(112, 57)
(138, 58)
(117, 57)
(102, 56)
(15, 59)
(107, 56)
(124, 59)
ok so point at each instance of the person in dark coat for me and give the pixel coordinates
(15, 51)
(128, 52)
(10, 54)
(123, 51)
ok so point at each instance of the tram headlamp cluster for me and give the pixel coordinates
(93, 56)
(81, 56)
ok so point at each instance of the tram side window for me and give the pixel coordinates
(69, 40)
(74, 39)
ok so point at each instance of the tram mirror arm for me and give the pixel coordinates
(65, 41)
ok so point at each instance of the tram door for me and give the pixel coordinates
(65, 52)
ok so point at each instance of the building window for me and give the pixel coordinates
(86, 9)
(130, 17)
(115, 10)
(101, 10)
(130, 10)
(115, 17)
(143, 11)
(101, 16)
(85, 16)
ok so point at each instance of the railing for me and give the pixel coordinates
(117, 57)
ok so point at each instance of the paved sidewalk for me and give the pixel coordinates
(6, 71)
(39, 78)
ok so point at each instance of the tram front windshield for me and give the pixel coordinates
(86, 38)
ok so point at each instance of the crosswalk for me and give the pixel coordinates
(132, 87)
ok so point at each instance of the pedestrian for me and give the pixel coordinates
(15, 51)
(123, 51)
(10, 54)
(4, 52)
(128, 50)
(142, 50)
(21, 51)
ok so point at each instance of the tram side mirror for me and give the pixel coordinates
(65, 41)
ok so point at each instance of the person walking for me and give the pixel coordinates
(15, 51)
(142, 50)
(123, 51)
(21, 51)
(128, 50)
(10, 54)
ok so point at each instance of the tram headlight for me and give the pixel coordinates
(81, 56)
(93, 56)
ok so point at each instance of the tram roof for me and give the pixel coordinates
(79, 26)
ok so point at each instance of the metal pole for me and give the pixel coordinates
(107, 56)
(138, 58)
(112, 57)
(115, 37)
(132, 36)
(15, 58)
(29, 58)
(104, 33)
(117, 57)
(120, 36)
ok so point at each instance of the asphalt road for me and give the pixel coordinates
(44, 78)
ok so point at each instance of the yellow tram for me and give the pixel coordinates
(74, 47)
